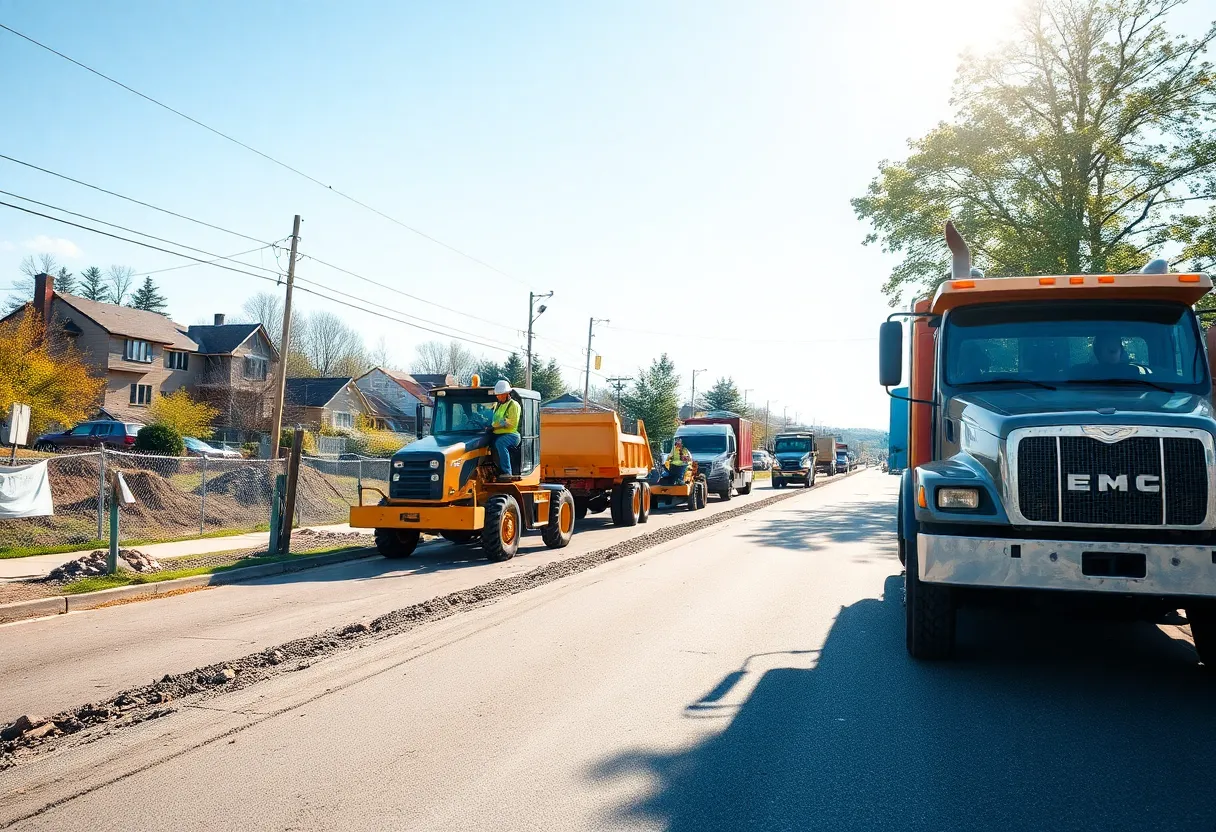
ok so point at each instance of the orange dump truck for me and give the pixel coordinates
(602, 465)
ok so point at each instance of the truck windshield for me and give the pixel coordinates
(793, 445)
(704, 443)
(460, 415)
(1142, 343)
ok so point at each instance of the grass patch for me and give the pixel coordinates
(90, 545)
(98, 582)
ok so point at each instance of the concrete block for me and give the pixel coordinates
(33, 609)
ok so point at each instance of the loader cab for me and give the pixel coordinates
(464, 414)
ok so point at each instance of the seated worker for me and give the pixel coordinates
(505, 427)
(1108, 350)
(677, 461)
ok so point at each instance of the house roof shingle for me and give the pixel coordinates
(134, 323)
(432, 380)
(412, 386)
(223, 339)
(314, 392)
(381, 408)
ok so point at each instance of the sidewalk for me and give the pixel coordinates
(36, 566)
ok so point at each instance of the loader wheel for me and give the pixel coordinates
(930, 614)
(500, 536)
(396, 543)
(629, 504)
(702, 494)
(644, 514)
(1203, 632)
(560, 528)
(580, 508)
(460, 536)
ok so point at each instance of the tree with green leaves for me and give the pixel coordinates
(655, 399)
(148, 298)
(724, 395)
(92, 285)
(547, 378)
(65, 282)
(512, 370)
(1082, 146)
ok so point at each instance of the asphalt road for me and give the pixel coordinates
(58, 662)
(750, 676)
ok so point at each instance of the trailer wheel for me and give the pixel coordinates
(644, 514)
(628, 504)
(930, 614)
(747, 489)
(614, 503)
(395, 544)
(580, 508)
(560, 528)
(500, 536)
(1203, 632)
(460, 536)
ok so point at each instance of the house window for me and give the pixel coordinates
(343, 420)
(141, 394)
(255, 368)
(175, 360)
(138, 351)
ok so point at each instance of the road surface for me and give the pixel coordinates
(750, 676)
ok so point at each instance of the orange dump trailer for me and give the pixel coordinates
(602, 465)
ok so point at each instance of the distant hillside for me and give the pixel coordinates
(858, 439)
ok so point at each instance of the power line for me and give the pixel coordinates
(265, 156)
(744, 340)
(129, 198)
(209, 262)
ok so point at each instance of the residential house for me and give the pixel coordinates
(316, 403)
(432, 380)
(143, 355)
(571, 402)
(237, 374)
(393, 398)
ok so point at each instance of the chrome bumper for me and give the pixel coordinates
(1056, 564)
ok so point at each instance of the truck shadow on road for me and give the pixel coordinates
(1040, 724)
(820, 527)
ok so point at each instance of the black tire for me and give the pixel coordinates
(728, 492)
(629, 504)
(614, 503)
(1203, 632)
(396, 544)
(899, 534)
(747, 489)
(930, 614)
(702, 492)
(560, 528)
(693, 491)
(774, 483)
(646, 502)
(580, 508)
(500, 536)
(460, 536)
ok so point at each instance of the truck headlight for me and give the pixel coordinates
(434, 478)
(958, 498)
(434, 463)
(398, 463)
(396, 477)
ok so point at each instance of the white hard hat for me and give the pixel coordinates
(502, 387)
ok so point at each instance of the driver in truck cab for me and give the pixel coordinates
(505, 427)
(1108, 350)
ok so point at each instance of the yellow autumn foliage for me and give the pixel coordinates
(183, 414)
(51, 378)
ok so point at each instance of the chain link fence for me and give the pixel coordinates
(327, 488)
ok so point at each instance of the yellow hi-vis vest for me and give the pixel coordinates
(506, 417)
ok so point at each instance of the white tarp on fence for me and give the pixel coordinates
(25, 491)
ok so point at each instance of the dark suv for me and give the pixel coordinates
(90, 435)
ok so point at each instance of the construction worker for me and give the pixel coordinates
(678, 460)
(505, 427)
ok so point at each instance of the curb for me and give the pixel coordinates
(42, 607)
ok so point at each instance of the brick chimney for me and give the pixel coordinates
(219, 318)
(44, 290)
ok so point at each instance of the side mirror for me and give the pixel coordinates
(890, 353)
(421, 412)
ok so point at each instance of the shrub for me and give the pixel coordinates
(251, 450)
(186, 416)
(160, 439)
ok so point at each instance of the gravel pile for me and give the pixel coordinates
(94, 563)
(148, 702)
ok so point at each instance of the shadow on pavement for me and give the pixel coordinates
(1041, 724)
(817, 528)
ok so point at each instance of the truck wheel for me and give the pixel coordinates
(1203, 632)
(396, 543)
(560, 528)
(644, 515)
(747, 489)
(460, 536)
(774, 482)
(580, 508)
(727, 493)
(500, 536)
(614, 503)
(930, 614)
(629, 505)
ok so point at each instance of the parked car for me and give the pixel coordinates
(197, 447)
(90, 435)
(762, 461)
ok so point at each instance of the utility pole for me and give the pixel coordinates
(745, 392)
(619, 384)
(532, 299)
(276, 418)
(692, 401)
(767, 437)
(587, 380)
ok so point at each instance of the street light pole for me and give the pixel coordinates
(532, 316)
(745, 392)
(587, 379)
(692, 401)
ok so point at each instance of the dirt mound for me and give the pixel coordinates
(250, 484)
(74, 478)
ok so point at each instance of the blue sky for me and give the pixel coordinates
(681, 168)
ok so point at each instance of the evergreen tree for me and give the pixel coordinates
(65, 282)
(655, 399)
(149, 298)
(547, 379)
(92, 285)
(724, 395)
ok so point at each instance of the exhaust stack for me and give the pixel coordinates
(961, 265)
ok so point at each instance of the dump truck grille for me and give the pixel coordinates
(412, 481)
(790, 465)
(1141, 481)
